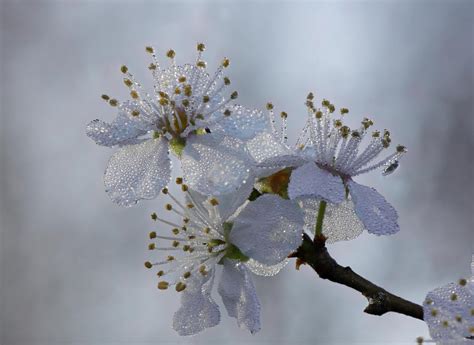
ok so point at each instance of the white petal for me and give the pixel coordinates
(198, 310)
(340, 221)
(239, 296)
(439, 306)
(214, 164)
(229, 203)
(265, 270)
(310, 180)
(121, 131)
(378, 216)
(138, 172)
(243, 123)
(265, 146)
(268, 229)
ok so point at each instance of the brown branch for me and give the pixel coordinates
(380, 301)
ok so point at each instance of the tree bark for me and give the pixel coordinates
(380, 301)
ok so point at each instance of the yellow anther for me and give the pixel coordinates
(331, 108)
(160, 273)
(179, 180)
(180, 287)
(177, 91)
(458, 318)
(190, 206)
(310, 96)
(164, 190)
(186, 220)
(154, 216)
(171, 54)
(376, 134)
(200, 47)
(186, 247)
(318, 114)
(445, 324)
(175, 244)
(175, 231)
(184, 188)
(134, 94)
(149, 50)
(185, 103)
(151, 246)
(434, 312)
(202, 270)
(182, 79)
(200, 116)
(462, 282)
(127, 82)
(163, 285)
(152, 67)
(345, 131)
(113, 102)
(356, 134)
(310, 105)
(283, 115)
(148, 264)
(123, 69)
(207, 230)
(169, 207)
(337, 123)
(344, 111)
(188, 90)
(234, 95)
(205, 98)
(191, 249)
(135, 112)
(429, 301)
(226, 81)
(225, 62)
(201, 64)
(385, 143)
(227, 112)
(269, 106)
(105, 97)
(163, 101)
(152, 235)
(186, 275)
(191, 237)
(454, 297)
(214, 202)
(325, 103)
(419, 340)
(170, 258)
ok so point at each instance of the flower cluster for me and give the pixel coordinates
(248, 194)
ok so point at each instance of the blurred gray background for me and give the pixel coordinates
(72, 262)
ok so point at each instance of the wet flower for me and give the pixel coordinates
(449, 312)
(229, 232)
(322, 165)
(185, 106)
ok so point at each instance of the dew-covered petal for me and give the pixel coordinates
(214, 164)
(264, 270)
(229, 203)
(310, 180)
(377, 215)
(448, 311)
(268, 229)
(138, 172)
(122, 131)
(243, 123)
(239, 296)
(198, 310)
(266, 146)
(340, 220)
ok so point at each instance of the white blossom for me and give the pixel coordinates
(324, 161)
(449, 312)
(188, 113)
(229, 232)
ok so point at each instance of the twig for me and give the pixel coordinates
(380, 301)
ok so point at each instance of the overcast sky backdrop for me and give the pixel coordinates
(72, 262)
